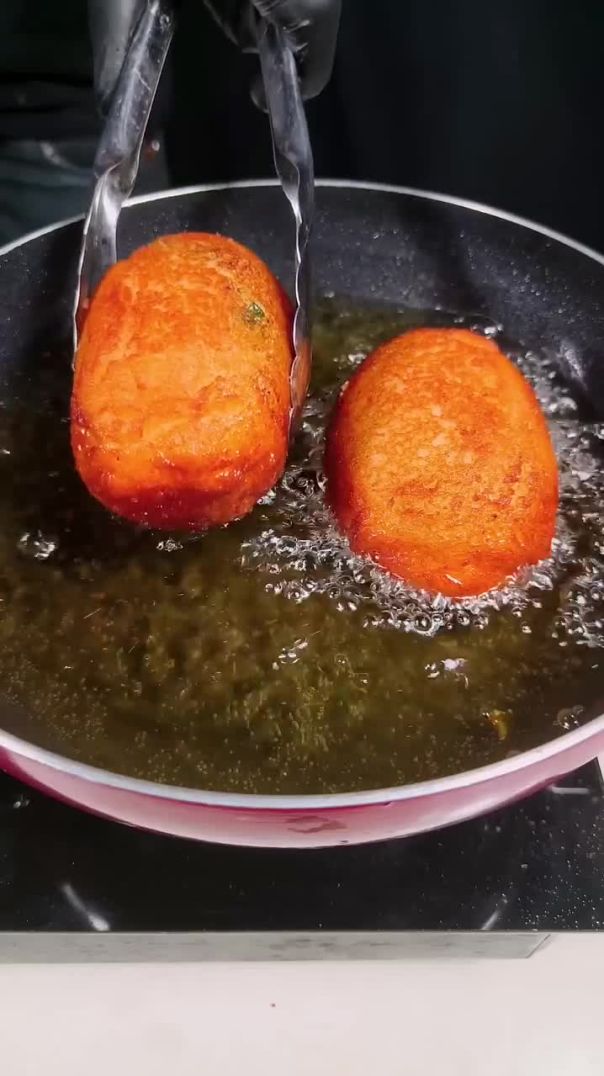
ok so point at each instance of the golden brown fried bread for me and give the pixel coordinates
(440, 465)
(180, 403)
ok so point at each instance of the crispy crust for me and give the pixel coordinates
(440, 464)
(181, 395)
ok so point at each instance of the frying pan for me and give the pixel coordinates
(405, 247)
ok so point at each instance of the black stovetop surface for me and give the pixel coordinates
(537, 865)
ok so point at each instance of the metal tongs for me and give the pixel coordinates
(294, 166)
(118, 152)
(117, 160)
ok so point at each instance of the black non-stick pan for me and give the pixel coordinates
(258, 684)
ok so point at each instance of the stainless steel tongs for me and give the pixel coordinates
(118, 153)
(119, 148)
(294, 165)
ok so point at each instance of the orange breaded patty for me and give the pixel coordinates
(180, 404)
(440, 465)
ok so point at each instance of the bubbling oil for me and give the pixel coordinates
(265, 656)
(303, 549)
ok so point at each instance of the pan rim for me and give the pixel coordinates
(268, 802)
(385, 188)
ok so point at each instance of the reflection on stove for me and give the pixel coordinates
(88, 915)
(533, 866)
(493, 919)
(563, 790)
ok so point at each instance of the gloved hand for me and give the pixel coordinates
(310, 25)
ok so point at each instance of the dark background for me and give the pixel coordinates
(499, 102)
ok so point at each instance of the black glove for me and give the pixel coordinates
(311, 27)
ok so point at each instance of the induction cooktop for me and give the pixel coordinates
(76, 887)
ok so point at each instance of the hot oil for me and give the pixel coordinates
(264, 657)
